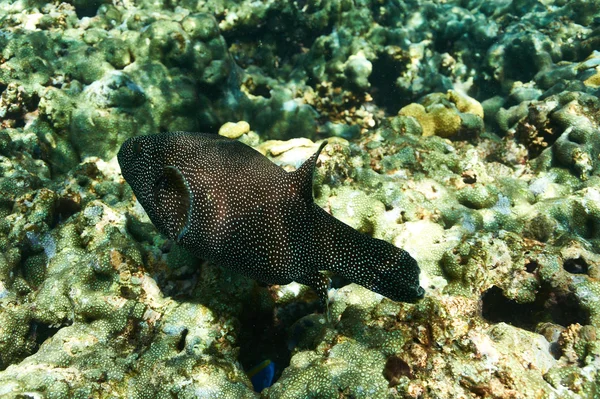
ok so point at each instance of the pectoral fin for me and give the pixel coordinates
(320, 283)
(172, 191)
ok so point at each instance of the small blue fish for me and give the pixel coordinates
(262, 375)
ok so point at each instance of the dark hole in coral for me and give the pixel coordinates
(19, 122)
(395, 368)
(555, 350)
(87, 8)
(531, 266)
(181, 342)
(264, 332)
(262, 338)
(127, 292)
(384, 91)
(65, 208)
(565, 309)
(37, 152)
(40, 332)
(514, 68)
(576, 266)
(262, 90)
(33, 102)
(469, 177)
(549, 306)
(83, 181)
(444, 44)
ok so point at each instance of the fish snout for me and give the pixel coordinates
(417, 294)
(420, 292)
(125, 154)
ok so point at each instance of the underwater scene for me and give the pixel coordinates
(300, 199)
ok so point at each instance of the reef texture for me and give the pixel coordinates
(466, 132)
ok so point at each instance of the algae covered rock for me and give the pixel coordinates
(563, 126)
(98, 96)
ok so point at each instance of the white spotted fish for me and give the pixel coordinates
(227, 203)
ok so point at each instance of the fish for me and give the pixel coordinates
(262, 375)
(227, 203)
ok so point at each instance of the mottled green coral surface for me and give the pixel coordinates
(466, 132)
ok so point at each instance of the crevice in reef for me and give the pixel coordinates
(549, 306)
(65, 208)
(262, 338)
(386, 69)
(576, 266)
(87, 8)
(265, 331)
(39, 332)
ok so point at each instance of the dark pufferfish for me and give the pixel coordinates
(227, 203)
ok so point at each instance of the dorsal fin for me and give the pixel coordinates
(302, 178)
(172, 192)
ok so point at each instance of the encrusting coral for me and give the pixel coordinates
(442, 141)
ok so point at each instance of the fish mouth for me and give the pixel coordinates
(419, 293)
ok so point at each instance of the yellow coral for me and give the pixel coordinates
(465, 103)
(234, 130)
(418, 112)
(594, 80)
(440, 114)
(437, 120)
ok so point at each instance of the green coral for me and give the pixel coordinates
(94, 302)
(478, 196)
(114, 102)
(350, 369)
(355, 208)
(92, 289)
(15, 341)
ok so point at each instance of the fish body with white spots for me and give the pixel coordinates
(227, 203)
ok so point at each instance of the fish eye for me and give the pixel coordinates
(137, 147)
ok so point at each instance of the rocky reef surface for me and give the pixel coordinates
(466, 132)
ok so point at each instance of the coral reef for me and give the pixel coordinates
(466, 132)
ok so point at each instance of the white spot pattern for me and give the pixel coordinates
(250, 215)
